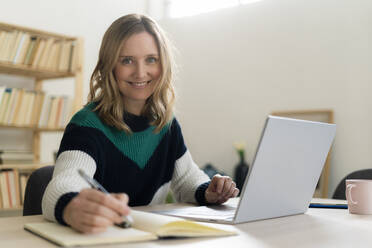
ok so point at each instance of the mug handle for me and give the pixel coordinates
(348, 193)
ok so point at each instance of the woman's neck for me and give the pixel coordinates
(134, 108)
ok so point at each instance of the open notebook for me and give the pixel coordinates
(147, 226)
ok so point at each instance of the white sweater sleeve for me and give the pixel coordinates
(187, 177)
(66, 179)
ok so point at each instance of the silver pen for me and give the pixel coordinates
(128, 220)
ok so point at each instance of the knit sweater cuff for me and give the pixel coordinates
(61, 204)
(200, 193)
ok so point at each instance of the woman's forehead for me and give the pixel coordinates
(141, 43)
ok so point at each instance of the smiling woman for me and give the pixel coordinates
(134, 73)
(127, 137)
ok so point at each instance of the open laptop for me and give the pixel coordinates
(287, 165)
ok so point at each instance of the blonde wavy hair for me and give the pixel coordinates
(104, 88)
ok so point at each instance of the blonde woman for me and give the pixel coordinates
(126, 137)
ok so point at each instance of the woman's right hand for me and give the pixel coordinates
(92, 211)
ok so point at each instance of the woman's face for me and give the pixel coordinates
(137, 70)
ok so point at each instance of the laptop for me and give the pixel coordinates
(286, 168)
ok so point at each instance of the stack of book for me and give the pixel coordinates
(37, 51)
(20, 107)
(16, 157)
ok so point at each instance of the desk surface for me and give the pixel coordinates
(315, 228)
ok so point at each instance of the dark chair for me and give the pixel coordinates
(35, 188)
(341, 187)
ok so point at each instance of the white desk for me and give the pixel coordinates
(315, 228)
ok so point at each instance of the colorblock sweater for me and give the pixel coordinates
(145, 165)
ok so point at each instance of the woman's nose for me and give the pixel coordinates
(140, 72)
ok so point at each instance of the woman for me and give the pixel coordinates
(126, 137)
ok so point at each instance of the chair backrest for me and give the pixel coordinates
(341, 187)
(35, 188)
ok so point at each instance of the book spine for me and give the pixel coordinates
(7, 180)
(4, 104)
(4, 190)
(17, 188)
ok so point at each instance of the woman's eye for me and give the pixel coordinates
(151, 60)
(126, 61)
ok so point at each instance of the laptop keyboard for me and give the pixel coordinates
(220, 212)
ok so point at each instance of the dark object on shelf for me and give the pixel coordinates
(210, 170)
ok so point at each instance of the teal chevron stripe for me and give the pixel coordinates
(138, 146)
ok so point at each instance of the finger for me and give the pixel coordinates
(89, 229)
(218, 182)
(108, 201)
(92, 220)
(95, 208)
(226, 186)
(121, 197)
(124, 199)
(236, 192)
(90, 201)
(231, 190)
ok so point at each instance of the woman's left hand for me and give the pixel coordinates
(220, 190)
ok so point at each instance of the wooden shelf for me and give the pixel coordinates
(12, 209)
(36, 129)
(27, 71)
(24, 166)
(10, 27)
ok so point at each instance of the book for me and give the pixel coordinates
(2, 91)
(11, 106)
(42, 63)
(64, 58)
(16, 157)
(20, 48)
(66, 112)
(39, 53)
(72, 57)
(61, 101)
(21, 103)
(30, 50)
(56, 57)
(20, 57)
(8, 45)
(2, 39)
(51, 56)
(147, 226)
(4, 45)
(53, 112)
(4, 190)
(22, 184)
(34, 51)
(328, 203)
(8, 187)
(16, 46)
(37, 108)
(44, 111)
(4, 103)
(30, 108)
(13, 188)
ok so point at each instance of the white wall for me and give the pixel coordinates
(85, 18)
(237, 65)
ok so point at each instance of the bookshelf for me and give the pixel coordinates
(40, 55)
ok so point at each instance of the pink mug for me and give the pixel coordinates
(359, 196)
